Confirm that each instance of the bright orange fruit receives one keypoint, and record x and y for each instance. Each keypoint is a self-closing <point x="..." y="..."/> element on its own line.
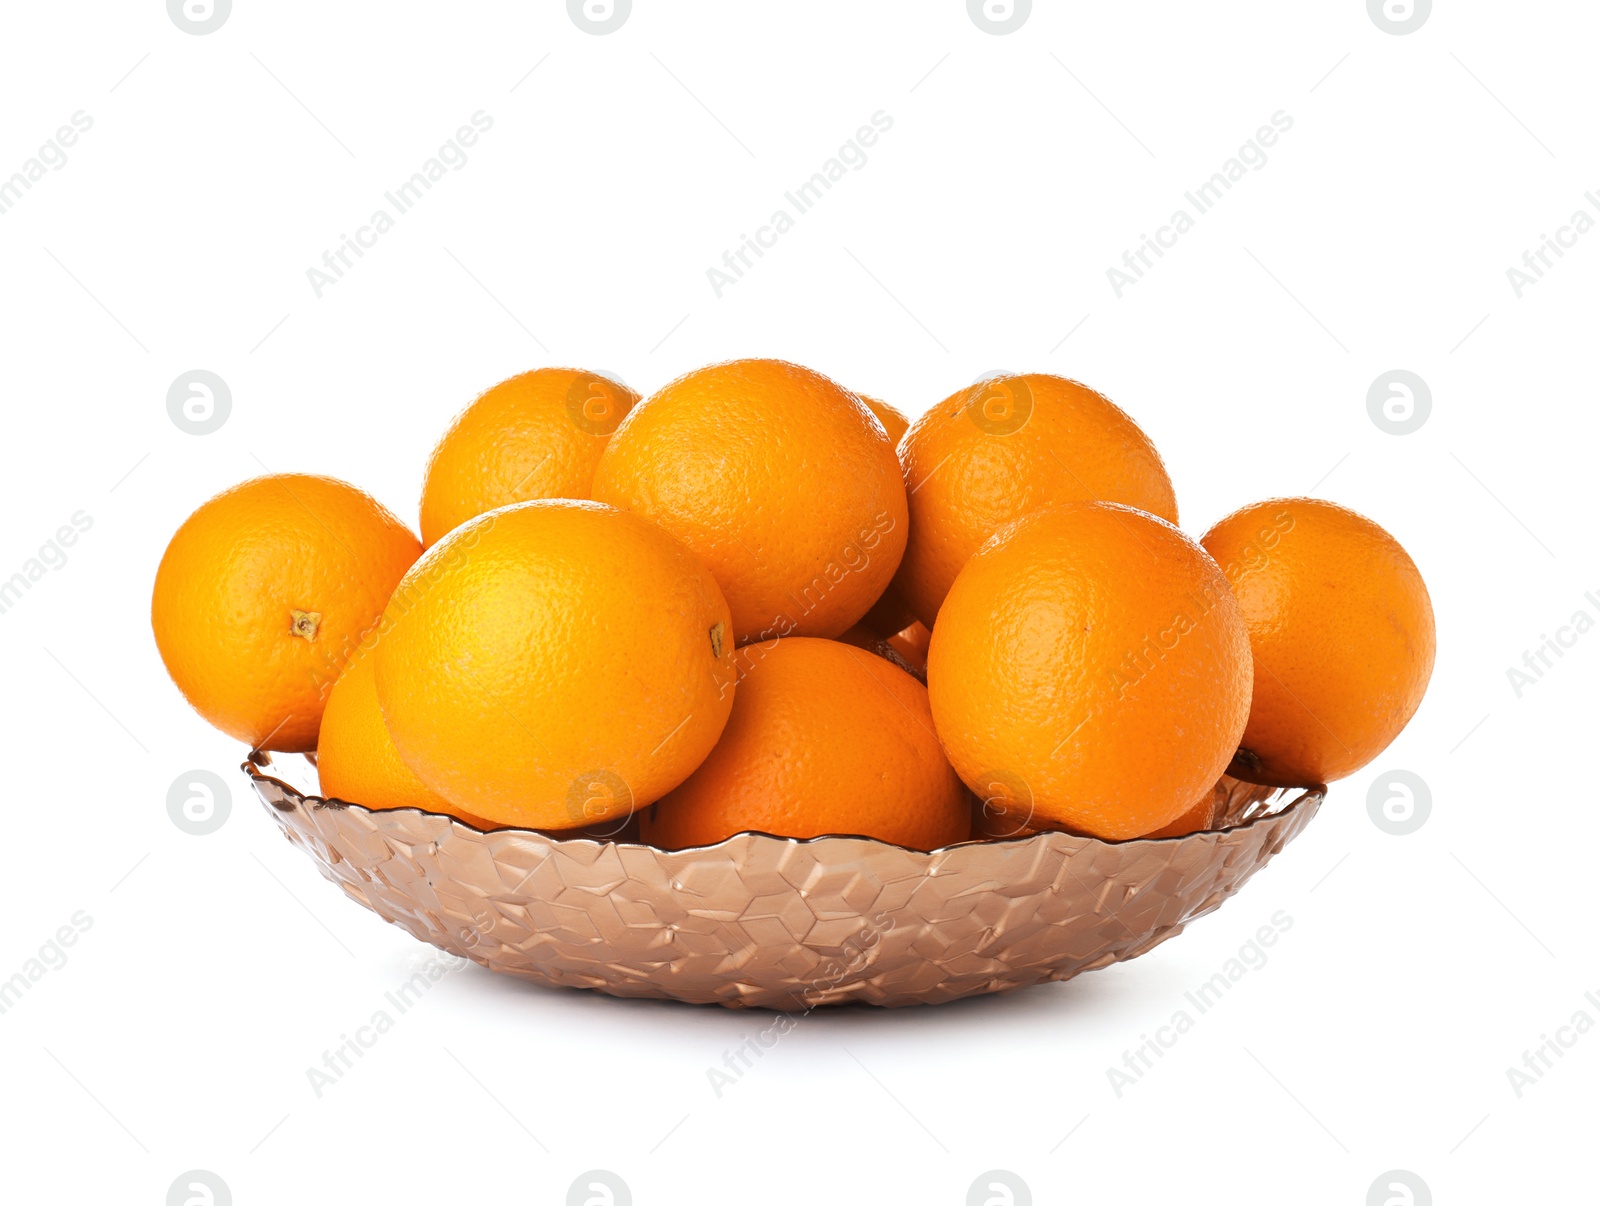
<point x="876" y="645"/>
<point x="535" y="435"/>
<point x="1195" y="820"/>
<point x="891" y="613"/>
<point x="779" y="480"/>
<point x="263" y="595"/>
<point x="555" y="664"/>
<point x="356" y="758"/>
<point x="1002" y="449"/>
<point x="893" y="421"/>
<point x="999" y="817"/>
<point x="824" y="738"/>
<point x="1092" y="661"/>
<point x="1342" y="631"/>
<point x="911" y="643"/>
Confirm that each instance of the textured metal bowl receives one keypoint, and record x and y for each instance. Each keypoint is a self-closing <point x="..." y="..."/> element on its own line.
<point x="778" y="923"/>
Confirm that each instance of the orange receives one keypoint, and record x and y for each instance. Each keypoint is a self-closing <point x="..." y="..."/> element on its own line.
<point x="358" y="764"/>
<point x="555" y="664"/>
<point x="998" y="817"/>
<point x="891" y="613"/>
<point x="264" y="593"/>
<point x="356" y="758"/>
<point x="1002" y="449"/>
<point x="911" y="643"/>
<point x="1092" y="661"/>
<point x="536" y="435"/>
<point x="781" y="481"/>
<point x="1197" y="819"/>
<point x="858" y="636"/>
<point x="893" y="421"/>
<point x="1342" y="630"/>
<point x="824" y="739"/>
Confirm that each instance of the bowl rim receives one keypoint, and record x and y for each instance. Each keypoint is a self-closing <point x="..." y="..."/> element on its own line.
<point x="256" y="762"/>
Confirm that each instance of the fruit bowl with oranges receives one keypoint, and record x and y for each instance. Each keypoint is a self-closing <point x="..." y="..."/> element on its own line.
<point x="751" y="692"/>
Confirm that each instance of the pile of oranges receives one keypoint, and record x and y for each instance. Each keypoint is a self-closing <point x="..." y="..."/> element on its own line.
<point x="758" y="601"/>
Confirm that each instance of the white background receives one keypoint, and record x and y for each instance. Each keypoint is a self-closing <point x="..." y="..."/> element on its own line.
<point x="977" y="236"/>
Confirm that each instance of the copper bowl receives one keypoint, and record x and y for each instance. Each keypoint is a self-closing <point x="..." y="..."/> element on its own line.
<point x="780" y="923"/>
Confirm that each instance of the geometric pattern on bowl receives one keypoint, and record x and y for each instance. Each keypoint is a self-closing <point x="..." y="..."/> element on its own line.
<point x="779" y="923"/>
